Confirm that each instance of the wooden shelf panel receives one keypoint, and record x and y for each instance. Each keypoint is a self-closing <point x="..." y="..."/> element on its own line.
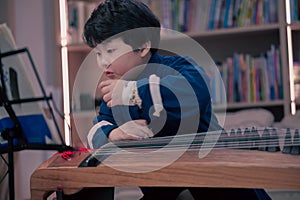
<point x="230" y="31"/>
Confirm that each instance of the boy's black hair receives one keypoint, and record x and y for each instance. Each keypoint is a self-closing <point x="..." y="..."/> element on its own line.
<point x="114" y="17"/>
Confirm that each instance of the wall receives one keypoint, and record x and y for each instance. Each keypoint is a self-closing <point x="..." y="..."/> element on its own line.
<point x="33" y="25"/>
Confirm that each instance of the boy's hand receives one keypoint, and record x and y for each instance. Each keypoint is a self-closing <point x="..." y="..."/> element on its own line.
<point x="120" y="92"/>
<point x="112" y="89"/>
<point x="117" y="134"/>
<point x="132" y="130"/>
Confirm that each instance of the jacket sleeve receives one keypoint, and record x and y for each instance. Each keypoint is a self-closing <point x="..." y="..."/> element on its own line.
<point x="187" y="91"/>
<point x="103" y="125"/>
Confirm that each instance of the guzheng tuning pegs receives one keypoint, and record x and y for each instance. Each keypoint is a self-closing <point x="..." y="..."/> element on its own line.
<point x="296" y="143"/>
<point x="248" y="139"/>
<point x="273" y="146"/>
<point x="223" y="141"/>
<point x="254" y="138"/>
<point x="239" y="138"/>
<point x="287" y="142"/>
<point x="264" y="140"/>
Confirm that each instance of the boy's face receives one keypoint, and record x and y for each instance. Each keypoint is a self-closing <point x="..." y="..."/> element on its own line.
<point x="116" y="58"/>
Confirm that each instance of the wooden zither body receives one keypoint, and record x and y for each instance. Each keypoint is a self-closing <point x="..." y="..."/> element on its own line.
<point x="240" y="167"/>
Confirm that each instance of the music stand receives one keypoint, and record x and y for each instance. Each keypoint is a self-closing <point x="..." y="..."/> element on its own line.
<point x="14" y="132"/>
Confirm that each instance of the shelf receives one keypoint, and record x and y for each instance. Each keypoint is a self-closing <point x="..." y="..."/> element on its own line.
<point x="216" y="106"/>
<point x="295" y="26"/>
<point x="249" y="105"/>
<point x="229" y="31"/>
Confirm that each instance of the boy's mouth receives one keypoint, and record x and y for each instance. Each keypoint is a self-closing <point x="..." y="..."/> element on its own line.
<point x="109" y="74"/>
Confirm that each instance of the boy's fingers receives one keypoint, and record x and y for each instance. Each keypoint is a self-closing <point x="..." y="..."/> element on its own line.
<point x="104" y="83"/>
<point x="141" y="122"/>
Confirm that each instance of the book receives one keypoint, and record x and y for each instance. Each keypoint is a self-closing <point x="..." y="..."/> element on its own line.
<point x="296" y="70"/>
<point x="78" y="13"/>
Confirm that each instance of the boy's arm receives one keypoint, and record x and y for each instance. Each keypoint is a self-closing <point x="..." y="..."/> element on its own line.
<point x="174" y="92"/>
<point x="106" y="129"/>
<point x="190" y="89"/>
<point x="103" y="125"/>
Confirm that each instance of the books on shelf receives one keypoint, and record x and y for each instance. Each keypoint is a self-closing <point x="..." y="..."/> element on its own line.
<point x="194" y="15"/>
<point x="78" y="13"/>
<point x="295" y="10"/>
<point x="250" y="79"/>
<point x="297" y="81"/>
<point x="187" y="15"/>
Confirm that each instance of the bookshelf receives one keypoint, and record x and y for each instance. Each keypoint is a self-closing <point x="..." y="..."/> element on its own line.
<point x="295" y="28"/>
<point x="221" y="42"/>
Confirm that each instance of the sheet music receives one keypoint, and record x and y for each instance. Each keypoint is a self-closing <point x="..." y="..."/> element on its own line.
<point x="21" y="83"/>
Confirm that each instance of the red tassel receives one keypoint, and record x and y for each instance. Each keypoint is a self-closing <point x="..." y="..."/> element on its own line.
<point x="68" y="154"/>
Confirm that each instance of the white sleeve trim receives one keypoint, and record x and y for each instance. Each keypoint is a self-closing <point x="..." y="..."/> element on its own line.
<point x="93" y="130"/>
<point x="154" y="82"/>
<point x="130" y="94"/>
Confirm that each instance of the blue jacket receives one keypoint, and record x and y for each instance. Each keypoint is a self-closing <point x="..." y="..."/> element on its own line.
<point x="185" y="93"/>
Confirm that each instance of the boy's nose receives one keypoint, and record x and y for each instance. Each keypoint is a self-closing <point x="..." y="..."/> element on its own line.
<point x="104" y="63"/>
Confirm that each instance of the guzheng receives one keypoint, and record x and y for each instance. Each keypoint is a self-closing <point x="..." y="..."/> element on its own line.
<point x="240" y="158"/>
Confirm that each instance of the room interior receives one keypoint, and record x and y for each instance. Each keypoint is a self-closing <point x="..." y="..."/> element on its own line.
<point x="36" y="25"/>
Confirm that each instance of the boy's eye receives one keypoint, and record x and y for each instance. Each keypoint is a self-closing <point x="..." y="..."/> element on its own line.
<point x="110" y="50"/>
<point x="98" y="53"/>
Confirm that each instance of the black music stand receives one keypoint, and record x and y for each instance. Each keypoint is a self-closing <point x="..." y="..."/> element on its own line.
<point x="14" y="134"/>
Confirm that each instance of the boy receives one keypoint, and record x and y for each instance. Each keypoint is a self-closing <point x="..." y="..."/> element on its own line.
<point x="146" y="94"/>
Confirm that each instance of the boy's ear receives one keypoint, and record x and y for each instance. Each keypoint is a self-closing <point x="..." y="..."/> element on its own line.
<point x="145" y="49"/>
